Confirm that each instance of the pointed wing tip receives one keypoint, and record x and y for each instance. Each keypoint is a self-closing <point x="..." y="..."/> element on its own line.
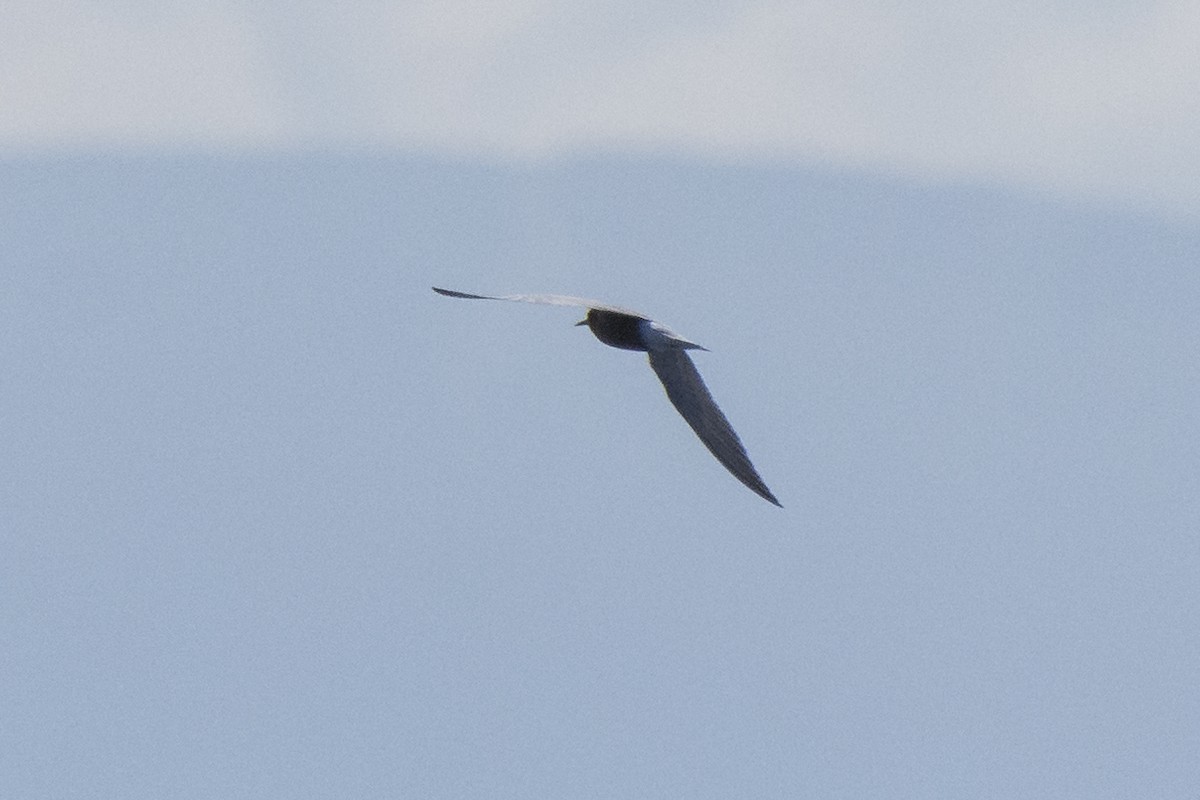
<point x="760" y="489"/>
<point x="463" y="295"/>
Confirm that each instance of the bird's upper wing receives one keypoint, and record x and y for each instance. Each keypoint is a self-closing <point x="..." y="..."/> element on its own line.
<point x="543" y="299"/>
<point x="690" y="396"/>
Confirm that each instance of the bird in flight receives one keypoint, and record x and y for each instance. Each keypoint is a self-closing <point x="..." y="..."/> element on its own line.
<point x="667" y="350"/>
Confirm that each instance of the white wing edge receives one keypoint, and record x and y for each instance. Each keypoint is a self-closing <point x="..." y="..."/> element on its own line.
<point x="543" y="299"/>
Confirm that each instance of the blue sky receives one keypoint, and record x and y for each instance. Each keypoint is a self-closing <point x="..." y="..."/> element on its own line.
<point x="279" y="521"/>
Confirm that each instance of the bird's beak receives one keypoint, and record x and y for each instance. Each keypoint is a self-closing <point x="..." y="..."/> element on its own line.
<point x="581" y="322"/>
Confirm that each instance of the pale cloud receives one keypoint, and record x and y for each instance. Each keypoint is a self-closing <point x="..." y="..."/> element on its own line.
<point x="1115" y="109"/>
<point x="769" y="82"/>
<point x="79" y="75"/>
<point x="1095" y="104"/>
<point x="1086" y="99"/>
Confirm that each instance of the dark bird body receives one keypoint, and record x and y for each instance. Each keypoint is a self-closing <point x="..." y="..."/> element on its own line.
<point x="616" y="329"/>
<point x="667" y="351"/>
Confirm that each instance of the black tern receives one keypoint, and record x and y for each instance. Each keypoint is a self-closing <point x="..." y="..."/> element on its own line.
<point x="667" y="351"/>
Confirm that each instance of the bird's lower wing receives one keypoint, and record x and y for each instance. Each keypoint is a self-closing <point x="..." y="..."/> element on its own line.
<point x="542" y="299"/>
<point x="691" y="398"/>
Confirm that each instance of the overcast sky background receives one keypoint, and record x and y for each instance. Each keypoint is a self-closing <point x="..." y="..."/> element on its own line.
<point x="277" y="521"/>
<point x="1082" y="99"/>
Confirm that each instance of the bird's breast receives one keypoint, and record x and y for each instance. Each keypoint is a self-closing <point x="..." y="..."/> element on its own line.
<point x="616" y="329"/>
